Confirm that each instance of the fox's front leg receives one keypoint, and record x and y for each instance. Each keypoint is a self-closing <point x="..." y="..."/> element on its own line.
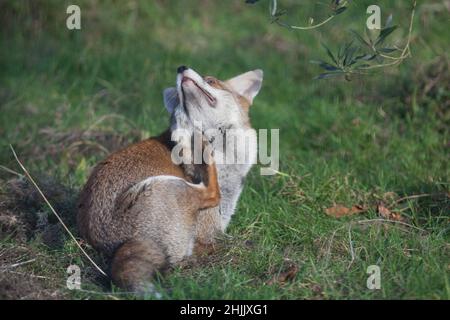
<point x="209" y="223"/>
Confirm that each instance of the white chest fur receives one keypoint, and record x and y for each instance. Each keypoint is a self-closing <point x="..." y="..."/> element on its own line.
<point x="232" y="173"/>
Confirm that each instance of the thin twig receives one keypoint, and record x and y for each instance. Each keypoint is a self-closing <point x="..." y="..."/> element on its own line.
<point x="273" y="11"/>
<point x="18" y="264"/>
<point x="314" y="26"/>
<point x="30" y="275"/>
<point x="412" y="197"/>
<point x="352" y="251"/>
<point x="10" y="171"/>
<point x="54" y="211"/>
<point x="330" y="242"/>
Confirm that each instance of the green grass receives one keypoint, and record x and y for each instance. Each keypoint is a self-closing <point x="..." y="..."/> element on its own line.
<point x="340" y="142"/>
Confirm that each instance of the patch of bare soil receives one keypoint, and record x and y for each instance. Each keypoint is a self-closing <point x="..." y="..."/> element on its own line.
<point x="24" y="216"/>
<point x="25" y="223"/>
<point x="17" y="279"/>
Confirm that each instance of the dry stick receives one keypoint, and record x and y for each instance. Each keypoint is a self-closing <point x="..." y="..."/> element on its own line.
<point x="14" y="265"/>
<point x="413" y="197"/>
<point x="29" y="275"/>
<point x="350" y="241"/>
<point x="330" y="243"/>
<point x="10" y="171"/>
<point x="54" y="211"/>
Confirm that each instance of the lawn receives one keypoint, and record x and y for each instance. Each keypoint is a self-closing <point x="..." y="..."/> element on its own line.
<point x="378" y="143"/>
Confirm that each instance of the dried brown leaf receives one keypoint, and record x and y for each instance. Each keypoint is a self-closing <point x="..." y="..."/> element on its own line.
<point x="387" y="214"/>
<point x="397" y="217"/>
<point x="384" y="212"/>
<point x="339" y="211"/>
<point x="287" y="275"/>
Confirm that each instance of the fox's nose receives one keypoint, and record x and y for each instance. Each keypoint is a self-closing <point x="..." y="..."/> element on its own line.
<point x="181" y="69"/>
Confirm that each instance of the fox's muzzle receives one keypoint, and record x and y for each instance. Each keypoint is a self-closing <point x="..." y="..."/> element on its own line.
<point x="191" y="85"/>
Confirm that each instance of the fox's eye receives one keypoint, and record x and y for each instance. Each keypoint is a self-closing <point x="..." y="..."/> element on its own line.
<point x="210" y="81"/>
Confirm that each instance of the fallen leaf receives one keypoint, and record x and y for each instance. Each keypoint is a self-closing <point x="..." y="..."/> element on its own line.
<point x="397" y="217"/>
<point x="387" y="214"/>
<point x="339" y="211"/>
<point x="384" y="212"/>
<point x="287" y="275"/>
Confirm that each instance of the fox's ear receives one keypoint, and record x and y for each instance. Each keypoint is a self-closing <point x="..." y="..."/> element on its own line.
<point x="247" y="84"/>
<point x="171" y="99"/>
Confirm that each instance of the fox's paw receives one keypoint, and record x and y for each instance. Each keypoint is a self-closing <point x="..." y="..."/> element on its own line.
<point x="208" y="154"/>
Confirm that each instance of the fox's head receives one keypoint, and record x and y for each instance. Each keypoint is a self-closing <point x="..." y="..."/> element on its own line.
<point x="212" y="102"/>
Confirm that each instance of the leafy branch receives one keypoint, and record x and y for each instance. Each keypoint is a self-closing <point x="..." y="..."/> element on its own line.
<point x="337" y="7"/>
<point x="358" y="56"/>
<point x="367" y="54"/>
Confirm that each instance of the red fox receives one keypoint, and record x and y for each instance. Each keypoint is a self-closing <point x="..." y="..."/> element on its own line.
<point x="146" y="212"/>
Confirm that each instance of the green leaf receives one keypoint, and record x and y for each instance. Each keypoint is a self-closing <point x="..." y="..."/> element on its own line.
<point x="329" y="75"/>
<point x="387" y="50"/>
<point x="360" y="38"/>
<point x="366" y="57"/>
<point x="362" y="66"/>
<point x="325" y="65"/>
<point x="369" y="37"/>
<point x="384" y="33"/>
<point x="340" y="53"/>
<point x="279" y="22"/>
<point x="349" y="53"/>
<point x="280" y="13"/>
<point x="339" y="10"/>
<point x="343" y="51"/>
<point x="330" y="54"/>
<point x="388" y="21"/>
<point x="329" y="67"/>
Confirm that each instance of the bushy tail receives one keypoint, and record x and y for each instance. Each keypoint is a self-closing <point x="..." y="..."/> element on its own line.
<point x="134" y="265"/>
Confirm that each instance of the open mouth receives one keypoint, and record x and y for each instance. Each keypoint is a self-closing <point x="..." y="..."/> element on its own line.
<point x="209" y="97"/>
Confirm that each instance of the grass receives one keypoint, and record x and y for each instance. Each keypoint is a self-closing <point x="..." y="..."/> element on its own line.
<point x="69" y="97"/>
